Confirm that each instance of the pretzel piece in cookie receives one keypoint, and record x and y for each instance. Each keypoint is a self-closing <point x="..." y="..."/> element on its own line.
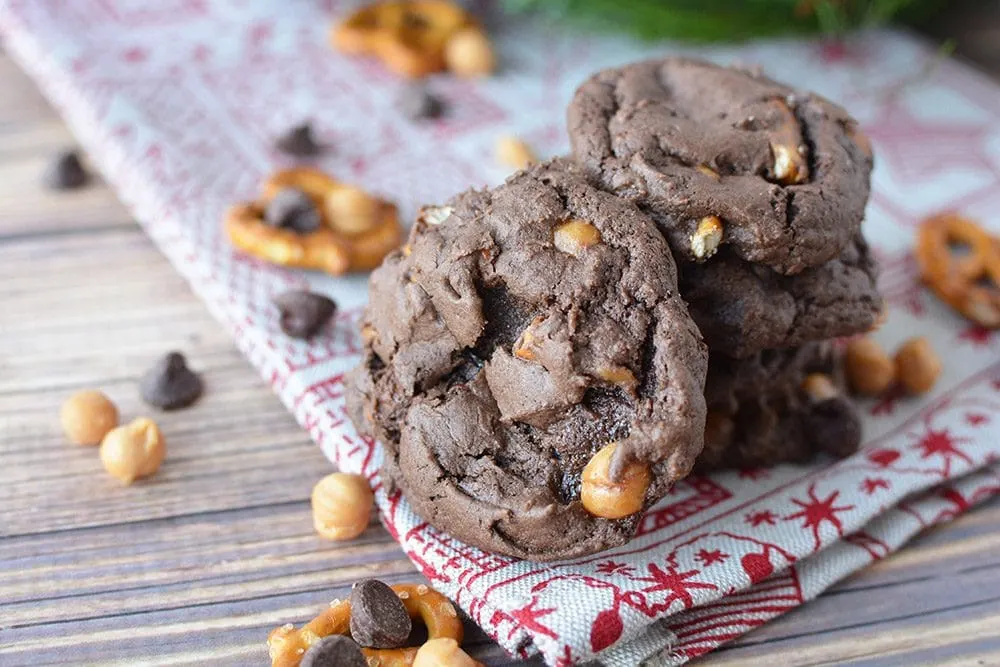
<point x="970" y="282"/>
<point x="408" y="37"/>
<point x="287" y="645"/>
<point x="335" y="247"/>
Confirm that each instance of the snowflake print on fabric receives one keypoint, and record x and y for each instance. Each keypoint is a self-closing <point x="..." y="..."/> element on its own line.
<point x="611" y="567"/>
<point x="761" y="517"/>
<point x="754" y="474"/>
<point x="976" y="419"/>
<point x="872" y="484"/>
<point x="566" y="658"/>
<point x="886" y="404"/>
<point x="528" y="616"/>
<point x="710" y="557"/>
<point x="942" y="443"/>
<point x="977" y="335"/>
<point x="677" y="584"/>
<point x="815" y="512"/>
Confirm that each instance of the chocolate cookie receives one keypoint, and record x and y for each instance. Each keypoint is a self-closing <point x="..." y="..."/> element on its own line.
<point x="520" y="331"/>
<point x="765" y="410"/>
<point x="785" y="174"/>
<point x="743" y="308"/>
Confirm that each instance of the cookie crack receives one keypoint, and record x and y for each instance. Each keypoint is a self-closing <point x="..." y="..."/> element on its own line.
<point x="806" y="132"/>
<point x="647" y="356"/>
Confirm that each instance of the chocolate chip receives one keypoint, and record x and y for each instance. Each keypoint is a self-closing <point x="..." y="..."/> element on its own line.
<point x="170" y="384"/>
<point x="299" y="141"/>
<point x="334" y="651"/>
<point x="303" y="313"/>
<point x="66" y="172"/>
<point x="378" y="617"/>
<point x="418" y="103"/>
<point x="835" y="427"/>
<point x="293" y="209"/>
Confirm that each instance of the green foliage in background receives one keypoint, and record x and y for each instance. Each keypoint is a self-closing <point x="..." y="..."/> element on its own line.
<point x="712" y="20"/>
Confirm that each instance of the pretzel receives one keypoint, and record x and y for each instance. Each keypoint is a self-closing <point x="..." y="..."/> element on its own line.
<point x="408" y="37"/>
<point x="287" y="645"/>
<point x="968" y="283"/>
<point x="790" y="165"/>
<point x="325" y="249"/>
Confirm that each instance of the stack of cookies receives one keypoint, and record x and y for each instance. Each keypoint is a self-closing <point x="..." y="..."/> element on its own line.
<point x="544" y="360"/>
<point x="761" y="192"/>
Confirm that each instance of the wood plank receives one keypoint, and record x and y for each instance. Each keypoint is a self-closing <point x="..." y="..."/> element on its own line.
<point x="968" y="636"/>
<point x="196" y="565"/>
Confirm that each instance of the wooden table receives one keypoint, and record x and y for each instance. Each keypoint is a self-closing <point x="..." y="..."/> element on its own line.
<point x="196" y="565"/>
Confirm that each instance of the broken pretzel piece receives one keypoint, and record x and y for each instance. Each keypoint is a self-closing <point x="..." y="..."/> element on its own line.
<point x="790" y="166"/>
<point x="707" y="237"/>
<point x="969" y="282"/>
<point x="355" y="238"/>
<point x="287" y="645"/>
<point x="410" y="38"/>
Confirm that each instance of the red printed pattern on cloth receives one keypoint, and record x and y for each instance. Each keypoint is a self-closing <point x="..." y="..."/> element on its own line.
<point x="178" y="104"/>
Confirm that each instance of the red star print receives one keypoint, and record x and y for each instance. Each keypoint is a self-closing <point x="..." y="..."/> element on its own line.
<point x="815" y="511"/>
<point x="887" y="403"/>
<point x="566" y="659"/>
<point x="706" y="557"/>
<point x="920" y="149"/>
<point x="941" y="443"/>
<point x="611" y="567"/>
<point x="134" y="55"/>
<point x="675" y="582"/>
<point x="757" y="518"/>
<point x="977" y="335"/>
<point x="914" y="302"/>
<point x="528" y="617"/>
<point x="754" y="473"/>
<point x="835" y="51"/>
<point x="201" y="53"/>
<point x="976" y="419"/>
<point x="872" y="484"/>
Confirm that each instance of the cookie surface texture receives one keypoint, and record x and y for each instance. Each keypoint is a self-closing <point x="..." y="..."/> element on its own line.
<point x="787" y="174"/>
<point x="517" y="333"/>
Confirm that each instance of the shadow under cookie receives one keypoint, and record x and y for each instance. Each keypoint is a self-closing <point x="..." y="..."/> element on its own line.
<point x="742" y="309"/>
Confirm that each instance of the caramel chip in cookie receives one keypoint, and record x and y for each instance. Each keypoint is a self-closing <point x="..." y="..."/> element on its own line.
<point x="273" y="228"/>
<point x="408" y="37"/>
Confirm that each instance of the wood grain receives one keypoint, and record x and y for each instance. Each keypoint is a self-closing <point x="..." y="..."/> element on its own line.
<point x="196" y="565"/>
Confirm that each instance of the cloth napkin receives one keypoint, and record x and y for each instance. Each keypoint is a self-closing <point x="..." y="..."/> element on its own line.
<point x="178" y="101"/>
